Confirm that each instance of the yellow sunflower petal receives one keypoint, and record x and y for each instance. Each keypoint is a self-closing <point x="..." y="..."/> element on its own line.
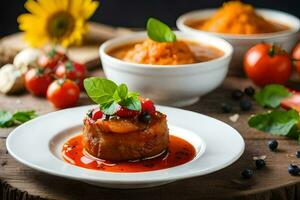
<point x="56" y="21"/>
<point x="35" y="8"/>
<point x="30" y="22"/>
<point x="47" y="6"/>
<point x="89" y="7"/>
<point x="83" y="8"/>
<point x="35" y="40"/>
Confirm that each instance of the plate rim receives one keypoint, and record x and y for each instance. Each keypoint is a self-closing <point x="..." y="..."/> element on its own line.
<point x="128" y="181"/>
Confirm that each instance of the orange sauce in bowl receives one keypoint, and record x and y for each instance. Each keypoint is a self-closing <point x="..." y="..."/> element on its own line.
<point x="179" y="152"/>
<point x="166" y="53"/>
<point x="236" y="17"/>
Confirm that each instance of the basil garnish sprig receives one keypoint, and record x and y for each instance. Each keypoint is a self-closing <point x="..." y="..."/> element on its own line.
<point x="272" y="95"/>
<point x="159" y="31"/>
<point x="284" y="123"/>
<point x="9" y="119"/>
<point x="276" y="122"/>
<point x="111" y="96"/>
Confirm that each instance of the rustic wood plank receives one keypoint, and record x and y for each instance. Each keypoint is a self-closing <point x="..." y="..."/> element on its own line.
<point x="225" y="183"/>
<point x="273" y="182"/>
<point x="87" y="53"/>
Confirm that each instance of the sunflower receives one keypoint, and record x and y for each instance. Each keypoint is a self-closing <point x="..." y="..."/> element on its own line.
<point x="60" y="22"/>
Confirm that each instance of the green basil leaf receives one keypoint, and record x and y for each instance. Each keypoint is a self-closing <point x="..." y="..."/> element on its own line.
<point x="277" y="122"/>
<point x="132" y="103"/>
<point x="109" y="108"/>
<point x="159" y="31"/>
<point x="100" y="90"/>
<point x="110" y="96"/>
<point x="294" y="132"/>
<point x="116" y="97"/>
<point x="133" y="94"/>
<point x="6" y="119"/>
<point x="24" y="116"/>
<point x="271" y="95"/>
<point x="122" y="91"/>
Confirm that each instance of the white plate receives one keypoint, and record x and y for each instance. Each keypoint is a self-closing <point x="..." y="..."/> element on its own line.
<point x="38" y="144"/>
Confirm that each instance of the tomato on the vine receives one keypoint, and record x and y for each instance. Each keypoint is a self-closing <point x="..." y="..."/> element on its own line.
<point x="72" y="70"/>
<point x="63" y="93"/>
<point x="266" y="64"/>
<point x="37" y="81"/>
<point x="50" y="59"/>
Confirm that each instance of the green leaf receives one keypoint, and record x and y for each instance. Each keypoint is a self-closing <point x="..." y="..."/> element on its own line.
<point x="100" y="90"/>
<point x="133" y="94"/>
<point x="132" y="103"/>
<point x="6" y="119"/>
<point x="271" y="95"/>
<point x="109" y="108"/>
<point x="159" y="31"/>
<point x="24" y="116"/>
<point x="122" y="91"/>
<point x="109" y="96"/>
<point x="277" y="122"/>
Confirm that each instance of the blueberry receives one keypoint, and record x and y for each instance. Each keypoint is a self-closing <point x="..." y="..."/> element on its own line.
<point x="273" y="144"/>
<point x="293" y="169"/>
<point x="237" y="94"/>
<point x="247" y="173"/>
<point x="250" y="91"/>
<point x="260" y="163"/>
<point x="226" y="108"/>
<point x="145" y="117"/>
<point x="245" y="104"/>
<point x="298" y="154"/>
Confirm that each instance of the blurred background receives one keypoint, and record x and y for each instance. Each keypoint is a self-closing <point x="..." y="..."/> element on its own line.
<point x="134" y="13"/>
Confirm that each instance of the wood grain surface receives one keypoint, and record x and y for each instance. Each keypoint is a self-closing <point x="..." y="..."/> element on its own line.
<point x="272" y="182"/>
<point x="87" y="53"/>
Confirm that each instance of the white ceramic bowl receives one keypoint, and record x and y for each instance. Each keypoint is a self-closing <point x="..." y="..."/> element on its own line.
<point x="242" y="43"/>
<point x="176" y="85"/>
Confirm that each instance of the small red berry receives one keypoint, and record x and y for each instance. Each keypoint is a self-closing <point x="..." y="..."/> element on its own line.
<point x="125" y="112"/>
<point x="96" y="114"/>
<point x="148" y="106"/>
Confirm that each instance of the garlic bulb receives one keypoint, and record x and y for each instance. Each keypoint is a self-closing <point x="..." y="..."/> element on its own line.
<point x="11" y="79"/>
<point x="26" y="59"/>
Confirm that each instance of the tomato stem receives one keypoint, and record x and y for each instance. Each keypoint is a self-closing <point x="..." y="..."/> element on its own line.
<point x="60" y="82"/>
<point x="272" y="51"/>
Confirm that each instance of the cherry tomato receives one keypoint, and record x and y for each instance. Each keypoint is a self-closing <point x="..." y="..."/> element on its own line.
<point x="296" y="56"/>
<point x="96" y="114"/>
<point x="50" y="59"/>
<point x="266" y="64"/>
<point x="37" y="81"/>
<point x="125" y="112"/>
<point x="72" y="70"/>
<point x="63" y="93"/>
<point x="148" y="106"/>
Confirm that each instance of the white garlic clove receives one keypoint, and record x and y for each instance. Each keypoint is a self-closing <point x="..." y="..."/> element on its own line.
<point x="26" y="59"/>
<point x="11" y="79"/>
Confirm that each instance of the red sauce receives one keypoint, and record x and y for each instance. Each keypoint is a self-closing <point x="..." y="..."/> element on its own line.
<point x="179" y="152"/>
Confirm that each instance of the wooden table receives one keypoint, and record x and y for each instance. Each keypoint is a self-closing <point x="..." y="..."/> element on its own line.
<point x="272" y="182"/>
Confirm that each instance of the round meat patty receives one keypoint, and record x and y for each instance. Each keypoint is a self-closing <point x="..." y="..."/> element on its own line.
<point x="121" y="139"/>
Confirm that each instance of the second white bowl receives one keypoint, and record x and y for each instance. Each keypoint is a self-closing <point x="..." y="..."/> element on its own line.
<point x="241" y="43"/>
<point x="176" y="85"/>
